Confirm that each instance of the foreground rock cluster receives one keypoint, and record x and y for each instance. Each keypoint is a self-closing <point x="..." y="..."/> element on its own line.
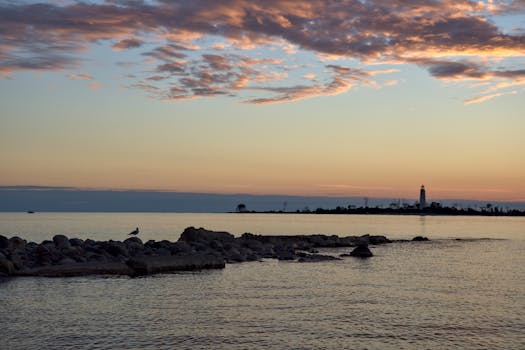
<point x="196" y="249"/>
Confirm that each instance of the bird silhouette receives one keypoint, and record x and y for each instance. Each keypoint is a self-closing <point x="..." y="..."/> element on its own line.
<point x="135" y="232"/>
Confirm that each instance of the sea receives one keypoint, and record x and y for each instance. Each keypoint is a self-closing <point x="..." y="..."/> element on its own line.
<point x="463" y="289"/>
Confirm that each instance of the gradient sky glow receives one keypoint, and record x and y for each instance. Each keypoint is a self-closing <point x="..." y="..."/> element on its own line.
<point x="339" y="98"/>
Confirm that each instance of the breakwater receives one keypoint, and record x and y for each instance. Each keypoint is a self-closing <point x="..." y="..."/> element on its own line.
<point x="196" y="249"/>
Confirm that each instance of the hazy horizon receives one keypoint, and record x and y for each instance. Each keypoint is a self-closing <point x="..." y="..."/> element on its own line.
<point x="23" y="198"/>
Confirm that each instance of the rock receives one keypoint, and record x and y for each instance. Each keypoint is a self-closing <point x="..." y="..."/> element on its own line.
<point x="134" y="241"/>
<point x="75" y="253"/>
<point x="420" y="239"/>
<point x="4" y="242"/>
<point x="66" y="261"/>
<point x="376" y="240"/>
<point x="150" y="265"/>
<point x="79" y="269"/>
<point x="317" y="258"/>
<point x="116" y="248"/>
<point x="180" y="247"/>
<point x="76" y="242"/>
<point x="19" y="259"/>
<point x="6" y="267"/>
<point x="61" y="241"/>
<point x="16" y="243"/>
<point x="361" y="251"/>
<point x="134" y="245"/>
<point x="93" y="257"/>
<point x="285" y="253"/>
<point x="252" y="244"/>
<point x="235" y="255"/>
<point x="191" y="234"/>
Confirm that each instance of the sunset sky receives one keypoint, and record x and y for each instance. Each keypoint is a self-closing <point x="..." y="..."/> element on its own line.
<point x="335" y="97"/>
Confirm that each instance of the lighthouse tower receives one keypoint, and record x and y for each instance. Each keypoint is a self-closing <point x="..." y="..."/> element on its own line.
<point x="422" y="198"/>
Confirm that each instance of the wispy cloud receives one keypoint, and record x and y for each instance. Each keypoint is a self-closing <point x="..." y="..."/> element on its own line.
<point x="81" y="76"/>
<point x="484" y="98"/>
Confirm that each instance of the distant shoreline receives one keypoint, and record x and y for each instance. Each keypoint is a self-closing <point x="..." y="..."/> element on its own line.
<point x="399" y="212"/>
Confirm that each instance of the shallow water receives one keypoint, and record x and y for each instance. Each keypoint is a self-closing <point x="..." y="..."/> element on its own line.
<point x="443" y="294"/>
<point x="103" y="226"/>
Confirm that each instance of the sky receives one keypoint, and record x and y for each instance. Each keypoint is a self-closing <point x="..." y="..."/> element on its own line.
<point x="311" y="98"/>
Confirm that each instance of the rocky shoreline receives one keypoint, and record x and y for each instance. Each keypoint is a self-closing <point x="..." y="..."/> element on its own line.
<point x="196" y="249"/>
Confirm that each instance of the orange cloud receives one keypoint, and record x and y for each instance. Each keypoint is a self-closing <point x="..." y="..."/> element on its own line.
<point x="80" y="76"/>
<point x="487" y="97"/>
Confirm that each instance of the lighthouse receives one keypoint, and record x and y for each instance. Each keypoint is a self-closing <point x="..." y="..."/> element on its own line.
<point x="422" y="198"/>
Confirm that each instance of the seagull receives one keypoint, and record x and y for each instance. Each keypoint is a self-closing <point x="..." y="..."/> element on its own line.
<point x="135" y="232"/>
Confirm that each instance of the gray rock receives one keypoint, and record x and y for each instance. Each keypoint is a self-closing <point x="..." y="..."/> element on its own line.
<point x="75" y="253"/>
<point x="116" y="248"/>
<point x="94" y="257"/>
<point x="361" y="251"/>
<point x="6" y="267"/>
<point x="191" y="234"/>
<point x="134" y="245"/>
<point x="150" y="265"/>
<point x="16" y="243"/>
<point x="180" y="247"/>
<point x="376" y="240"/>
<point x="76" y="242"/>
<point x="283" y="253"/>
<point x="317" y="258"/>
<point x="134" y="241"/>
<point x="79" y="269"/>
<point x="66" y="261"/>
<point x="4" y="242"/>
<point x="61" y="241"/>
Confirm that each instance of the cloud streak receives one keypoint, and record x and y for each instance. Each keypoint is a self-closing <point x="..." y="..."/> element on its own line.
<point x="450" y="39"/>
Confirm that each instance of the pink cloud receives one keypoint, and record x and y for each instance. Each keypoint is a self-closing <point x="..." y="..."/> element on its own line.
<point x="450" y="39"/>
<point x="81" y="76"/>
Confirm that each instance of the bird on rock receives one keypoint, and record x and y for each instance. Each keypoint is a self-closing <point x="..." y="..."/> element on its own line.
<point x="135" y="232"/>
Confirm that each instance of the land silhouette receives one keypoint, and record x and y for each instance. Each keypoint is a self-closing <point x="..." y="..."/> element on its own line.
<point x="434" y="209"/>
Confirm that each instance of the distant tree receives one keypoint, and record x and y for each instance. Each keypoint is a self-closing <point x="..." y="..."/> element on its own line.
<point x="241" y="208"/>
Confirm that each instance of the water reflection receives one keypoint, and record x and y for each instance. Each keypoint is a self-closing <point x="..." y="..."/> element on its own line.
<point x="423" y="225"/>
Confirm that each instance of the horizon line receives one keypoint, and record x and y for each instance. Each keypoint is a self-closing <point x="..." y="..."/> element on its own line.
<point x="149" y="190"/>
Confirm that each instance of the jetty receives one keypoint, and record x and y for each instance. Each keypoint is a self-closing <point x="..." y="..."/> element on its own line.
<point x="196" y="249"/>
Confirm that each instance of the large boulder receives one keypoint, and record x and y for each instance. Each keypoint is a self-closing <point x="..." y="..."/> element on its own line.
<point x="361" y="251"/>
<point x="16" y="243"/>
<point x="134" y="245"/>
<point x="61" y="241"/>
<point x="192" y="234"/>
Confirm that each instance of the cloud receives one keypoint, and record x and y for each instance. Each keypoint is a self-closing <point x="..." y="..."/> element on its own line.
<point x="484" y="98"/>
<point x="81" y="76"/>
<point x="127" y="44"/>
<point x="450" y="39"/>
<point x="94" y="86"/>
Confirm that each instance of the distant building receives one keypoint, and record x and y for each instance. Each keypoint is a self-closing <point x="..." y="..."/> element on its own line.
<point x="422" y="198"/>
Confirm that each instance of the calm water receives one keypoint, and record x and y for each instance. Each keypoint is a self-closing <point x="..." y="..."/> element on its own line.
<point x="444" y="294"/>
